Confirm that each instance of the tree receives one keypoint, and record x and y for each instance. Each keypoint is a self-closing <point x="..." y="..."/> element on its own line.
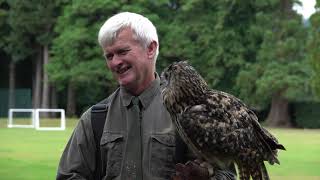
<point x="4" y="31"/>
<point x="214" y="38"/>
<point x="14" y="42"/>
<point x="279" y="72"/>
<point x="31" y="23"/>
<point x="202" y="34"/>
<point x="314" y="50"/>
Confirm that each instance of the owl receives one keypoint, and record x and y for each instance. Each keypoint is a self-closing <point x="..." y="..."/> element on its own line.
<point x="215" y="125"/>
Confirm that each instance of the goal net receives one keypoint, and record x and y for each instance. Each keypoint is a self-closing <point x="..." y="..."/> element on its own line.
<point x="44" y="119"/>
<point x="21" y="118"/>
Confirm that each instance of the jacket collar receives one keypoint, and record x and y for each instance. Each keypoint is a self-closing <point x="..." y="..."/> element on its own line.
<point x="145" y="97"/>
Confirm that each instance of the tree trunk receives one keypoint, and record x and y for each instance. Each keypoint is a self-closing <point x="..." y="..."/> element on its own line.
<point x="71" y="104"/>
<point x="45" y="90"/>
<point x="54" y="100"/>
<point x="12" y="78"/>
<point x="286" y="9"/>
<point x="37" y="82"/>
<point x="279" y="112"/>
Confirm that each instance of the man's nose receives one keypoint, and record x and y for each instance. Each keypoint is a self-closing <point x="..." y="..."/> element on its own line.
<point x="115" y="61"/>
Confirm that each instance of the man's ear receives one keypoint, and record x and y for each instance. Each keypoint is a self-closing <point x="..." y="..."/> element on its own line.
<point x="151" y="49"/>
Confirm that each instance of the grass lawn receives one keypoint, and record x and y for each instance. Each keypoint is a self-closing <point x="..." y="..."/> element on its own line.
<point x="27" y="154"/>
<point x="301" y="160"/>
<point x="33" y="155"/>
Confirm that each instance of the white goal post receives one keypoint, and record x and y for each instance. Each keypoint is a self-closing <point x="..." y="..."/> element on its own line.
<point x="10" y="120"/>
<point x="62" y="119"/>
<point x="35" y="119"/>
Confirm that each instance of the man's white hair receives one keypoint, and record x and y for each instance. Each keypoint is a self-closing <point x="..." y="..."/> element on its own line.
<point x="143" y="29"/>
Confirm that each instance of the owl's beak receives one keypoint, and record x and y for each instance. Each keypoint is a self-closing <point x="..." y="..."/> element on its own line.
<point x="163" y="83"/>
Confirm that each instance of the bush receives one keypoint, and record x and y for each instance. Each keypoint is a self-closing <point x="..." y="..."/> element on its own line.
<point x="306" y="115"/>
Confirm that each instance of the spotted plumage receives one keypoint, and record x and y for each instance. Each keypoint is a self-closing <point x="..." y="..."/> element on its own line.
<point x="217" y="126"/>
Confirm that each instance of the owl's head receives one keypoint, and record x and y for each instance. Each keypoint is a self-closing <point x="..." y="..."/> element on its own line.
<point x="180" y="82"/>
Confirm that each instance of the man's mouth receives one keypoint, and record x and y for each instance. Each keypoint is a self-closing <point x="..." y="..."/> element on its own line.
<point x="122" y="70"/>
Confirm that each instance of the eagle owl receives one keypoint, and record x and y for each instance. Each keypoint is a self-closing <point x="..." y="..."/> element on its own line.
<point x="217" y="126"/>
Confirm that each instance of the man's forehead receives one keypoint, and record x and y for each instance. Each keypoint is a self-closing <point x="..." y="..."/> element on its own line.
<point x="116" y="47"/>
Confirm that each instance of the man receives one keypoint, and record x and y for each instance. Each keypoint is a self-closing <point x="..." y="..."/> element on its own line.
<point x="139" y="139"/>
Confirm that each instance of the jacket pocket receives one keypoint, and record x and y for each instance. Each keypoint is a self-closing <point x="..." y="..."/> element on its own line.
<point x="112" y="145"/>
<point x="162" y="155"/>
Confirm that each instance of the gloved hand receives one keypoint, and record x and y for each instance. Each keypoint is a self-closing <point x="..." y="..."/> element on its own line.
<point x="192" y="170"/>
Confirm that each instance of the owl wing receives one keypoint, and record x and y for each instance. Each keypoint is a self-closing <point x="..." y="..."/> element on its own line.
<point x="265" y="143"/>
<point x="217" y="132"/>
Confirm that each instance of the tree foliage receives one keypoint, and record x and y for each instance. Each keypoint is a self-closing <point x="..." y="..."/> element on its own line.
<point x="29" y="23"/>
<point x="17" y="40"/>
<point x="278" y="63"/>
<point x="314" y="49"/>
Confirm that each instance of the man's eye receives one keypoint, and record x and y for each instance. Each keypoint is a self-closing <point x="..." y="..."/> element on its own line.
<point x="123" y="51"/>
<point x="108" y="56"/>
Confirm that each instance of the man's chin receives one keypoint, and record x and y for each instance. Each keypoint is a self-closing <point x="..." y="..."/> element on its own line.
<point x="127" y="83"/>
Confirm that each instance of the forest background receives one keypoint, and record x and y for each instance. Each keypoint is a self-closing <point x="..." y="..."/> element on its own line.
<point x="262" y="51"/>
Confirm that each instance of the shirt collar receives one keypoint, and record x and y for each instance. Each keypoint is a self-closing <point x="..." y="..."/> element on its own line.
<point x="145" y="97"/>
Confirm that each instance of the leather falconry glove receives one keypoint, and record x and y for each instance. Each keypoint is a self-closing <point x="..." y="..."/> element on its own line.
<point x="192" y="170"/>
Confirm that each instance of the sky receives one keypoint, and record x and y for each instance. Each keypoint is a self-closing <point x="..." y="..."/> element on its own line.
<point x="307" y="9"/>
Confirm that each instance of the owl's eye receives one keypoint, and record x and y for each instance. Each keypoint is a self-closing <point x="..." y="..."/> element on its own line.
<point x="166" y="75"/>
<point x="174" y="68"/>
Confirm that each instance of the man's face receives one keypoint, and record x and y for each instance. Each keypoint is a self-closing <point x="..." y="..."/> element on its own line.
<point x="131" y="64"/>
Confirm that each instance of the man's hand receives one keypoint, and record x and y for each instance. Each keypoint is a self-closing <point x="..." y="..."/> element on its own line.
<point x="192" y="170"/>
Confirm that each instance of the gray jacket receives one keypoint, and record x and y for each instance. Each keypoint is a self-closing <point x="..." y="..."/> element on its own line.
<point x="159" y="140"/>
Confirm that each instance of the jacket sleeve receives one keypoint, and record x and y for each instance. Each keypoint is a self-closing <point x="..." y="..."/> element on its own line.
<point x="78" y="158"/>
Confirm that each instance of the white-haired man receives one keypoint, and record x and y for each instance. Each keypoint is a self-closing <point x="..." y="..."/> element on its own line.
<point x="139" y="139"/>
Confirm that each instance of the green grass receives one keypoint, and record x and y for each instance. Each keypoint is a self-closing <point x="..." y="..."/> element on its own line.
<point x="34" y="155"/>
<point x="29" y="154"/>
<point x="51" y="122"/>
<point x="301" y="160"/>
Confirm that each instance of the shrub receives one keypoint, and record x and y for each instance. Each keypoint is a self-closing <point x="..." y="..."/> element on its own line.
<point x="306" y="115"/>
